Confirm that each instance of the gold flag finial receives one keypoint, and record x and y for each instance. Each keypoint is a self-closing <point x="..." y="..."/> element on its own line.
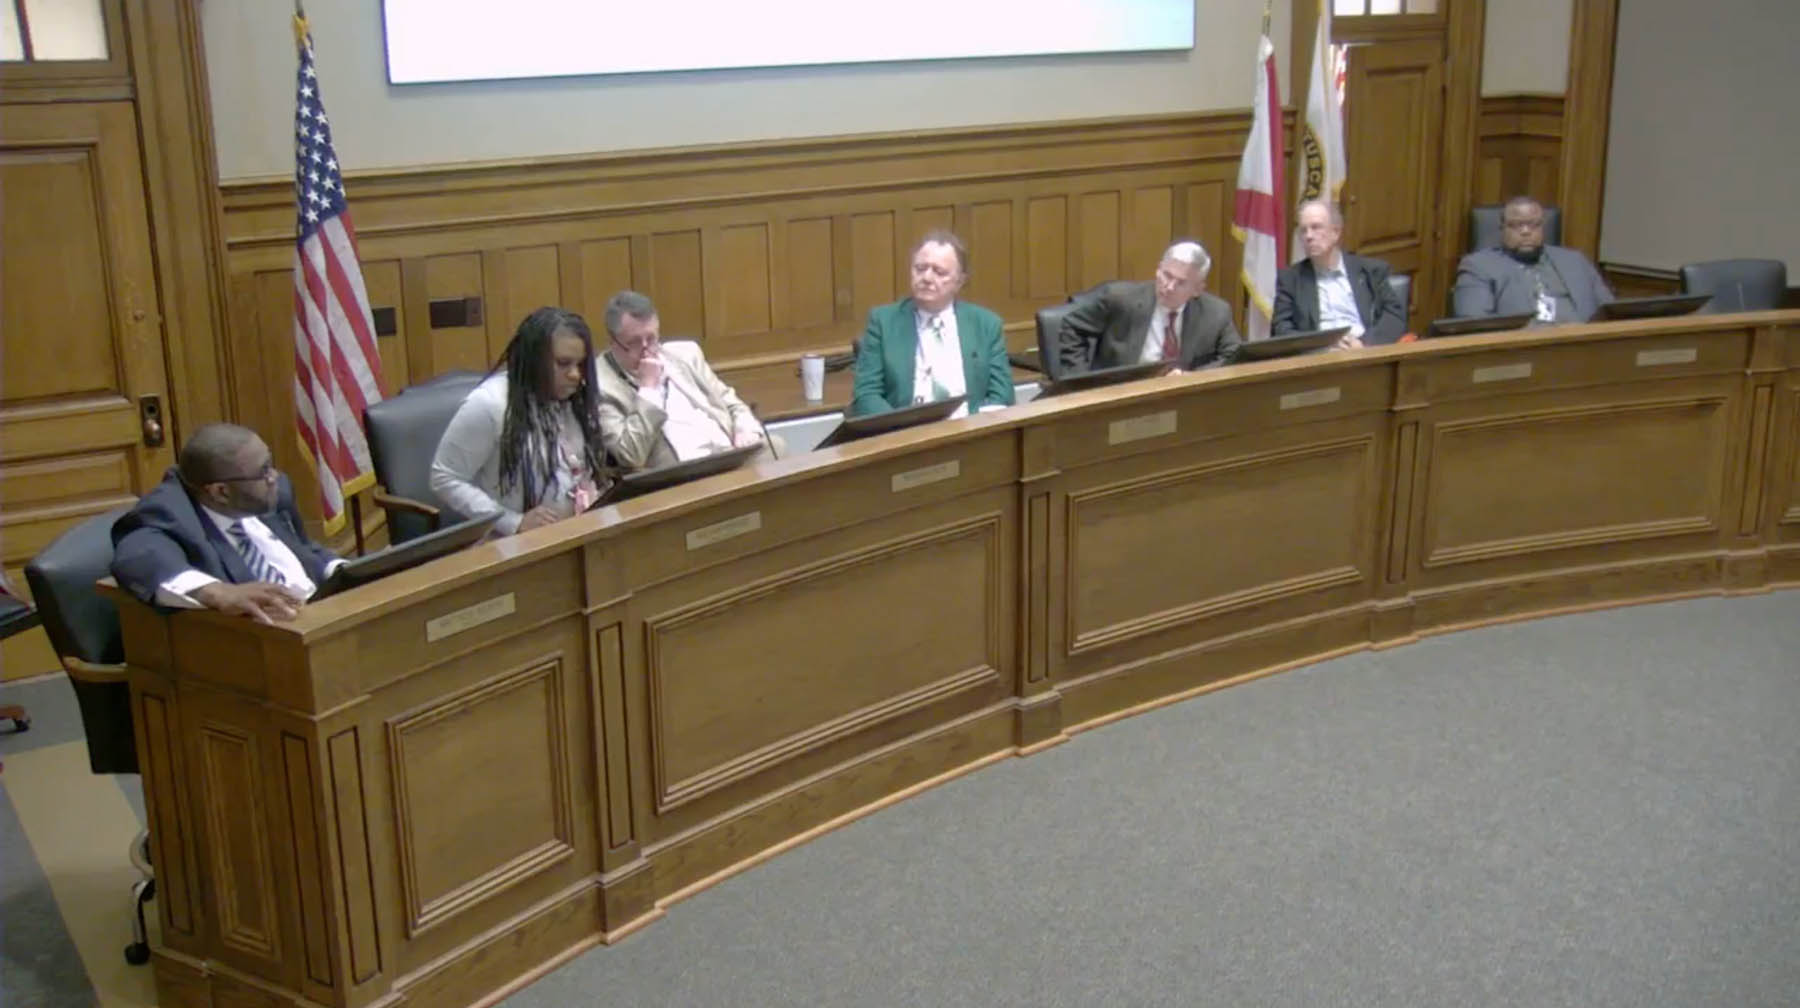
<point x="300" y="26"/>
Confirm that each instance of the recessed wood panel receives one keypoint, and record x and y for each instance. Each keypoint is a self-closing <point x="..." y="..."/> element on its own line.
<point x="1161" y="534"/>
<point x="382" y="282"/>
<point x="1047" y="233"/>
<point x="924" y="611"/>
<point x="605" y="270"/>
<point x="454" y="277"/>
<point x="1148" y="230"/>
<point x="241" y="882"/>
<point x="742" y="276"/>
<point x="676" y="285"/>
<point x="57" y="310"/>
<point x="1504" y="485"/>
<point x="938" y="218"/>
<point x="809" y="253"/>
<point x="532" y="282"/>
<point x="990" y="241"/>
<point x="874" y="263"/>
<point x="1099" y="239"/>
<point x="465" y="834"/>
<point x="1208" y="216"/>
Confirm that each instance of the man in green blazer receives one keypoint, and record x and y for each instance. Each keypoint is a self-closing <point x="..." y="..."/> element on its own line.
<point x="931" y="346"/>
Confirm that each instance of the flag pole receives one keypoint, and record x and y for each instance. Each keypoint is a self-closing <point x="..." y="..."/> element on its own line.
<point x="300" y="27"/>
<point x="1268" y="11"/>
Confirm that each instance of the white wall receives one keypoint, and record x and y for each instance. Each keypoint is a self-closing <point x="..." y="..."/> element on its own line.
<point x="1525" y="49"/>
<point x="1701" y="159"/>
<point x="250" y="61"/>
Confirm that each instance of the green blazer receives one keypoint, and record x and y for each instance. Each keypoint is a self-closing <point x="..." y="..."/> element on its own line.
<point x="884" y="358"/>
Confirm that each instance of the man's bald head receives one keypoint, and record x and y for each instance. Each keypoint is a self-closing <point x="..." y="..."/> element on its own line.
<point x="215" y="452"/>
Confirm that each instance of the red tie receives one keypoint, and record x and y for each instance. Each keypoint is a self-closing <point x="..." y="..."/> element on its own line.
<point x="1172" y="340"/>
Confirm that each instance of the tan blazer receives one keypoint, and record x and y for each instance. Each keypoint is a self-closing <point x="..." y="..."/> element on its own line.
<point x="631" y="426"/>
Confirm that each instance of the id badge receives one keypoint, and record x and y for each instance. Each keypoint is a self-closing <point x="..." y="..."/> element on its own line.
<point x="1546" y="307"/>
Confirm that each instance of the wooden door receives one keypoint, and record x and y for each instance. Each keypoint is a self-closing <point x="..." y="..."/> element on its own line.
<point x="1394" y="115"/>
<point x="83" y="347"/>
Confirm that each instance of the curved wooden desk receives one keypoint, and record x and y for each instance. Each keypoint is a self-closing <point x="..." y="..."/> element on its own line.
<point x="432" y="789"/>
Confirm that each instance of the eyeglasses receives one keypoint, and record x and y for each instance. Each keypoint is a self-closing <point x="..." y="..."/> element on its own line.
<point x="1524" y="225"/>
<point x="265" y="474"/>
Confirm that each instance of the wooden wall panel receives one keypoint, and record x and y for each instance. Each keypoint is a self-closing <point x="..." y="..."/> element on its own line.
<point x="759" y="251"/>
<point x="1520" y="152"/>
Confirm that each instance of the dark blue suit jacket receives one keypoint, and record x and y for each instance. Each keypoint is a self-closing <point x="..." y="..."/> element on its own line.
<point x="166" y="533"/>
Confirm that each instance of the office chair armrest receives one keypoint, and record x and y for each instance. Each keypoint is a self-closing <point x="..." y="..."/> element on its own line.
<point x="386" y="500"/>
<point x="89" y="672"/>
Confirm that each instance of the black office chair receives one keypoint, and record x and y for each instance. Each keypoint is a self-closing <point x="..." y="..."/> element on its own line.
<point x="1737" y="284"/>
<point x="1402" y="284"/>
<point x="1484" y="226"/>
<point x="83" y="628"/>
<point x="404" y="432"/>
<point x="1049" y="320"/>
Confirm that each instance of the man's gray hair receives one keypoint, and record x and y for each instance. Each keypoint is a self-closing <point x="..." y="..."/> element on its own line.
<point x="1337" y="216"/>
<point x="626" y="302"/>
<point x="1191" y="252"/>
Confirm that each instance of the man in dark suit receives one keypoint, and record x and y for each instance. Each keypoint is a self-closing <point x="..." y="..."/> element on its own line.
<point x="220" y="531"/>
<point x="1171" y="318"/>
<point x="1555" y="284"/>
<point x="1332" y="288"/>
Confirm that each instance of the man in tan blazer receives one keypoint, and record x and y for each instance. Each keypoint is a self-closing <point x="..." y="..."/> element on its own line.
<point x="659" y="402"/>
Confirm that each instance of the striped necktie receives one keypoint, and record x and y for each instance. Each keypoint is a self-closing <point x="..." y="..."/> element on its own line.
<point x="1171" y="348"/>
<point x="254" y="558"/>
<point x="938" y="391"/>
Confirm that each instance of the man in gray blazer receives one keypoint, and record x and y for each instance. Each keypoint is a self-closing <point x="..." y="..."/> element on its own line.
<point x="1170" y="318"/>
<point x="1556" y="284"/>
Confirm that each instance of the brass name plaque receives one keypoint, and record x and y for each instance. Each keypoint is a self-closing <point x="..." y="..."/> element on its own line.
<point x="718" y="532"/>
<point x="1502" y="372"/>
<point x="926" y="474"/>
<point x="1311" y="397"/>
<point x="469" y="617"/>
<point x="1138" y="428"/>
<point x="1677" y="355"/>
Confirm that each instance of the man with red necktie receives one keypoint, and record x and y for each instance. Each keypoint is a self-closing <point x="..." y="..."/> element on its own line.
<point x="1170" y="318"/>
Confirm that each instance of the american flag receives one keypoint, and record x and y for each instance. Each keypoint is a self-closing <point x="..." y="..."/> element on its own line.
<point x="337" y="370"/>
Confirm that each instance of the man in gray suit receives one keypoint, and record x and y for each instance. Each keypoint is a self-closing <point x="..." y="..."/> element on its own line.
<point x="1555" y="284"/>
<point x="1171" y="318"/>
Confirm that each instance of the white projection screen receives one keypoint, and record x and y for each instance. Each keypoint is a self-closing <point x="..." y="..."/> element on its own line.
<point x="454" y="40"/>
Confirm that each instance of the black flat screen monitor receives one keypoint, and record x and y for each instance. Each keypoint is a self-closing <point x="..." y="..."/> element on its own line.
<point x="410" y="553"/>
<point x="1106" y="376"/>
<point x="1472" y="324"/>
<point x="643" y="481"/>
<point x="1289" y="344"/>
<point x="859" y="427"/>
<point x="1651" y="307"/>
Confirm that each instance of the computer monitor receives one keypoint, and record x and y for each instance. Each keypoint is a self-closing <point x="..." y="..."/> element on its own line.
<point x="1651" y="307"/>
<point x="411" y="553"/>
<point x="1289" y="344"/>
<point x="1106" y="376"/>
<point x="636" y="484"/>
<point x="857" y="428"/>
<point x="1469" y="325"/>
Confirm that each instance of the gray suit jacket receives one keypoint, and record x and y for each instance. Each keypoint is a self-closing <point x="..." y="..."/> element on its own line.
<point x="1108" y="328"/>
<point x="1490" y="282"/>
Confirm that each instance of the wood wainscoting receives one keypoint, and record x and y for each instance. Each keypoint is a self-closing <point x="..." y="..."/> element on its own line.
<point x="760" y="251"/>
<point x="1520" y="152"/>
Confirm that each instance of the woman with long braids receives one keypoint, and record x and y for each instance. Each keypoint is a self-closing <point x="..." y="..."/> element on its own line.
<point x="526" y="442"/>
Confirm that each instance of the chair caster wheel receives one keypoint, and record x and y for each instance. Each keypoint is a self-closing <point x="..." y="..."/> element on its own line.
<point x="137" y="953"/>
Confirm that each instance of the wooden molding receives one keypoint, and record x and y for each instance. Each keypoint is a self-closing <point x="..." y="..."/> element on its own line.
<point x="1588" y="111"/>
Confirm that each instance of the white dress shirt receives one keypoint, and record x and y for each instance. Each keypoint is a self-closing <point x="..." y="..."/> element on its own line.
<point x="1337" y="302"/>
<point x="690" y="431"/>
<point x="177" y="592"/>
<point x="938" y="359"/>
<point x="1159" y="329"/>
